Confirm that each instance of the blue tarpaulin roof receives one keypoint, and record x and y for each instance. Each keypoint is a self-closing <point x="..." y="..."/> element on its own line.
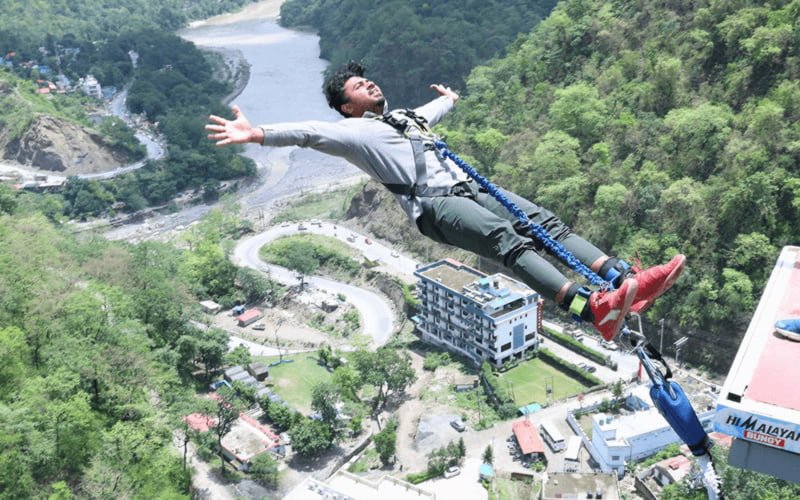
<point x="531" y="408"/>
<point x="486" y="470"/>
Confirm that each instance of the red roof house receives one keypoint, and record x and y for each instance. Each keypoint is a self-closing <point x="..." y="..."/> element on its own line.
<point x="200" y="422"/>
<point x="250" y="316"/>
<point x="528" y="437"/>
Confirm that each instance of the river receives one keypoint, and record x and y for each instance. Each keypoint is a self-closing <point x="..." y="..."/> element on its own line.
<point x="285" y="85"/>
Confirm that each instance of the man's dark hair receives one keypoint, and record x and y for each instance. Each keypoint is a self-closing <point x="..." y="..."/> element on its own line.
<point x="334" y="84"/>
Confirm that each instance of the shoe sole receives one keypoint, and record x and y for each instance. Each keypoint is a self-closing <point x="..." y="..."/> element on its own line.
<point x="788" y="334"/>
<point x="625" y="309"/>
<point x="644" y="305"/>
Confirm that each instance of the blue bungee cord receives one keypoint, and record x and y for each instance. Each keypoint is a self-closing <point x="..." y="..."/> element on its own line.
<point x="536" y="230"/>
<point x="666" y="394"/>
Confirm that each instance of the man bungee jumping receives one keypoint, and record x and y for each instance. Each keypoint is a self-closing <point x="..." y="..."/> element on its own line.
<point x="397" y="149"/>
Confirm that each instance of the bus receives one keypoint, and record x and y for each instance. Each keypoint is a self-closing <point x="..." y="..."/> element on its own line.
<point x="553" y="438"/>
<point x="572" y="459"/>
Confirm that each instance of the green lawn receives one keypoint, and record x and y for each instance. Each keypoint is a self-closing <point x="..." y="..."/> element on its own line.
<point x="293" y="381"/>
<point x="528" y="382"/>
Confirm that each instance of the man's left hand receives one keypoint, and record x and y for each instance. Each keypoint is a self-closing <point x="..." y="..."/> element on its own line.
<point x="446" y="91"/>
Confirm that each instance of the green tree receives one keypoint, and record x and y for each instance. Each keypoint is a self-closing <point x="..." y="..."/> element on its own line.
<point x="310" y="437"/>
<point x="240" y="355"/>
<point x="212" y="344"/>
<point x="387" y="370"/>
<point x="324" y="398"/>
<point x="281" y="416"/>
<point x="264" y="469"/>
<point x="386" y="442"/>
<point x="15" y="354"/>
<point x="578" y="111"/>
<point x="8" y="200"/>
<point x="696" y="137"/>
<point x="488" y="455"/>
<point x="348" y="381"/>
<point x="227" y="414"/>
<point x="617" y="389"/>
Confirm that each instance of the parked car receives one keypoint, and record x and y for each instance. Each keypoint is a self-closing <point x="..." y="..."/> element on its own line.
<point x="259" y="326"/>
<point x="609" y="344"/>
<point x="587" y="367"/>
<point x="458" y="425"/>
<point x="452" y="472"/>
<point x="368" y="241"/>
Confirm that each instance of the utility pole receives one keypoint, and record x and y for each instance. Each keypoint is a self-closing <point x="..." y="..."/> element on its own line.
<point x="678" y="345"/>
<point x="661" y="343"/>
<point x="277" y="342"/>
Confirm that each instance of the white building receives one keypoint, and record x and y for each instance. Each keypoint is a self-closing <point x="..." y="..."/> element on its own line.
<point x="91" y="87"/>
<point x="618" y="440"/>
<point x="493" y="318"/>
<point x="343" y="485"/>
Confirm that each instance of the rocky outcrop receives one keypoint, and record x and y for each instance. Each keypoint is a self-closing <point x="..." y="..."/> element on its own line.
<point x="59" y="146"/>
<point x="375" y="210"/>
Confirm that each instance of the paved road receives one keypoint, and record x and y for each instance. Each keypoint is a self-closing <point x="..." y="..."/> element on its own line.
<point x="627" y="363"/>
<point x="377" y="316"/>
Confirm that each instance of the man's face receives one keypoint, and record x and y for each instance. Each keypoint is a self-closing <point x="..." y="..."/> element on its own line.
<point x="362" y="95"/>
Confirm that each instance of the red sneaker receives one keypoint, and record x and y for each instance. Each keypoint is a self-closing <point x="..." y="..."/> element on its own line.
<point x="610" y="307"/>
<point x="654" y="281"/>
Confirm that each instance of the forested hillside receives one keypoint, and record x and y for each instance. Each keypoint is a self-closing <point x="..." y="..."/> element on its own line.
<point x="100" y="362"/>
<point x="656" y="127"/>
<point x="173" y="85"/>
<point x="405" y="42"/>
<point x="651" y="127"/>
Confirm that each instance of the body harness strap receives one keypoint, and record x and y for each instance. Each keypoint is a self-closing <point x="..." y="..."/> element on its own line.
<point x="421" y="142"/>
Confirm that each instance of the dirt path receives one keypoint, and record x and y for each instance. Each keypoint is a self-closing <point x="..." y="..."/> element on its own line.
<point x="204" y="480"/>
<point x="408" y="416"/>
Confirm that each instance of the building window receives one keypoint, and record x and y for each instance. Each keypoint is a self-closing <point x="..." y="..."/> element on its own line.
<point x="614" y="458"/>
<point x="505" y="347"/>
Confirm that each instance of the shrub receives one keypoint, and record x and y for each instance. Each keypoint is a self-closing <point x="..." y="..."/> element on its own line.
<point x="435" y="359"/>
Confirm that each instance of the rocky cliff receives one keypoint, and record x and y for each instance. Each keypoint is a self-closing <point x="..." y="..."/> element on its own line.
<point x="58" y="146"/>
<point x="375" y="210"/>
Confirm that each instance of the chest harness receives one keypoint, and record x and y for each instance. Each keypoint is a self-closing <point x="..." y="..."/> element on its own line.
<point x="415" y="128"/>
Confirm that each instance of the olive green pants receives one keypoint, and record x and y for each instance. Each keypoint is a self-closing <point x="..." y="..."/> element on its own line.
<point x="476" y="222"/>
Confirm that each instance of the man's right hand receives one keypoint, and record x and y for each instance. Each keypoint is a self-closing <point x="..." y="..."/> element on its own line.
<point x="236" y="131"/>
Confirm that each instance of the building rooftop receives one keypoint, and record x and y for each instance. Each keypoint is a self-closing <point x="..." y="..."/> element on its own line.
<point x="249" y="315"/>
<point x="636" y="424"/>
<point x="575" y="485"/>
<point x="451" y="274"/>
<point x="528" y="437"/>
<point x="200" y="422"/>
<point x="675" y="467"/>
<point x="349" y="486"/>
<point x="244" y="441"/>
<point x="495" y="291"/>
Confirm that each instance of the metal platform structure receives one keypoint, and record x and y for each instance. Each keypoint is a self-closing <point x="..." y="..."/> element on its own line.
<point x="759" y="405"/>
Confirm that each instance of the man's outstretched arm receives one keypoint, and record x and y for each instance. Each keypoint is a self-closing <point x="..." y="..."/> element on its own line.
<point x="236" y="131"/>
<point x="445" y="91"/>
<point x="435" y="110"/>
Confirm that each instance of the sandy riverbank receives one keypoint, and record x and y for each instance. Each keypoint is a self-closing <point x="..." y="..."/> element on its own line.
<point x="267" y="9"/>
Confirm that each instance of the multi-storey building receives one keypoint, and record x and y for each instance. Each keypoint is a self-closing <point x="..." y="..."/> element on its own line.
<point x="91" y="87"/>
<point x="485" y="318"/>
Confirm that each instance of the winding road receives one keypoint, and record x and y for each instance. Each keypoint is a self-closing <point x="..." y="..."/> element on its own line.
<point x="377" y="317"/>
